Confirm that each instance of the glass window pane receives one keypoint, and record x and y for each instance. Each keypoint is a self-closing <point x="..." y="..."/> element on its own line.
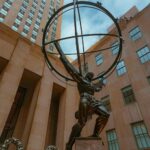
<point x="144" y="54"/>
<point x="135" y="33"/>
<point x="112" y="140"/>
<point x="141" y="135"/>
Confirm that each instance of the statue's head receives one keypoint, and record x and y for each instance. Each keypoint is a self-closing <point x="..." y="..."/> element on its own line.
<point x="89" y="76"/>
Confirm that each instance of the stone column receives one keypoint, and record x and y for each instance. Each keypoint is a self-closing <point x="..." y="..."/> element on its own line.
<point x="11" y="78"/>
<point x="41" y="115"/>
<point x="88" y="144"/>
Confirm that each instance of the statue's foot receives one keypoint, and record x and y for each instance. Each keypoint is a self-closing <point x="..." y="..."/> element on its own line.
<point x="68" y="147"/>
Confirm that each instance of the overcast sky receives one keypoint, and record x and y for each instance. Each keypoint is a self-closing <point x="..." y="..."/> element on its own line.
<point x="91" y="23"/>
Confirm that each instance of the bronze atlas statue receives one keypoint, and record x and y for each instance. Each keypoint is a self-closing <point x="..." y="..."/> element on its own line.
<point x="87" y="83"/>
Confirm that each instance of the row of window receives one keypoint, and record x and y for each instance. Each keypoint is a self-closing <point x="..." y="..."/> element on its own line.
<point x="29" y="19"/>
<point x="5" y="8"/>
<point x="134" y="35"/>
<point x="127" y="93"/>
<point x="38" y="22"/>
<point x="54" y="26"/>
<point x="20" y="15"/>
<point x="143" y="54"/>
<point x="140" y="133"/>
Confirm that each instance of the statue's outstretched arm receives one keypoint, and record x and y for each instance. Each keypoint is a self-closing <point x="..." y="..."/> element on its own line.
<point x="72" y="71"/>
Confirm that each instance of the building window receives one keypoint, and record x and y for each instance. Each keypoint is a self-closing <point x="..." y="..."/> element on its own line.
<point x="115" y="48"/>
<point x="53" y="36"/>
<point x="144" y="54"/>
<point x="15" y="26"/>
<point x="141" y="135"/>
<point x="106" y="101"/>
<point x="19" y="18"/>
<point x="148" y="78"/>
<point x="51" y="47"/>
<point x="52" y="2"/>
<point x="128" y="94"/>
<point x="22" y="11"/>
<point x="135" y="33"/>
<point x="99" y="59"/>
<point x="102" y="79"/>
<point x="112" y="140"/>
<point x="121" y="68"/>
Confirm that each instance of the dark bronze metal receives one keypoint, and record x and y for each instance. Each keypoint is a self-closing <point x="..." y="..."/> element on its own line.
<point x="88" y="104"/>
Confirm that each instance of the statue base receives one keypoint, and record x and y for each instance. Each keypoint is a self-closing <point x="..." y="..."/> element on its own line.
<point x="90" y="143"/>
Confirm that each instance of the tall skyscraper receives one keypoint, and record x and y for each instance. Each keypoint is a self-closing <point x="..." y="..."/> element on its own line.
<point x="29" y="17"/>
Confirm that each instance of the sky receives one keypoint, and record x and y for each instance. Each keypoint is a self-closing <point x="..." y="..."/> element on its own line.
<point x="94" y="21"/>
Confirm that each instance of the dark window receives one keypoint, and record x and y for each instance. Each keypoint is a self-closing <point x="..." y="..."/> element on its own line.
<point x="54" y="28"/>
<point x="30" y="17"/>
<point x="99" y="59"/>
<point x="106" y="101"/>
<point x="24" y="5"/>
<point x="35" y="29"/>
<point x="35" y="1"/>
<point x="43" y="2"/>
<point x="52" y="3"/>
<point x="5" y="8"/>
<point x="121" y="68"/>
<point x="32" y="12"/>
<point x="112" y="140"/>
<point x="42" y="6"/>
<point x="144" y="54"/>
<point x="28" y="24"/>
<point x="41" y="11"/>
<point x="16" y="25"/>
<point x="2" y="16"/>
<point x="34" y="6"/>
<point x="9" y="2"/>
<point x="22" y="11"/>
<point x="25" y="31"/>
<point x="33" y="36"/>
<point x="19" y="18"/>
<point x="39" y="17"/>
<point x="37" y="23"/>
<point x="141" y="135"/>
<point x="135" y="33"/>
<point x="128" y="94"/>
<point x="115" y="48"/>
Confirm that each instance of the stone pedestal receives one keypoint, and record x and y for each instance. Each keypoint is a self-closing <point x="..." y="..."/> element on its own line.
<point x="88" y="144"/>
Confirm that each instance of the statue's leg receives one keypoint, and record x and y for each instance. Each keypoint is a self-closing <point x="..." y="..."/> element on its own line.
<point x="100" y="124"/>
<point x="77" y="128"/>
<point x="101" y="120"/>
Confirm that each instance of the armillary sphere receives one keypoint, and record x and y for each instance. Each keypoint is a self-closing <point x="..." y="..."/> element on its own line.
<point x="76" y="7"/>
